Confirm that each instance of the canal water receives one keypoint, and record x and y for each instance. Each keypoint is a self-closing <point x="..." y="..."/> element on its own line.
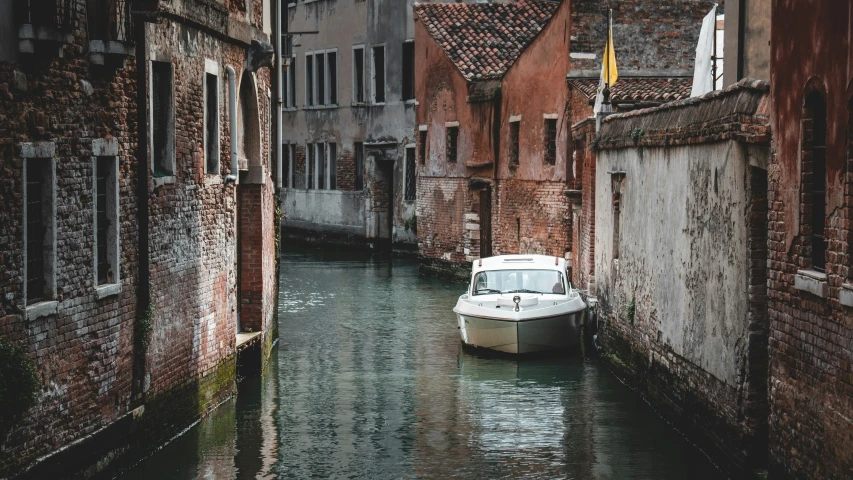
<point x="368" y="381"/>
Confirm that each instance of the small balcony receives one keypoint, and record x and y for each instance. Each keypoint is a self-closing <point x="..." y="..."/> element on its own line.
<point x="110" y="31"/>
<point x="43" y="23"/>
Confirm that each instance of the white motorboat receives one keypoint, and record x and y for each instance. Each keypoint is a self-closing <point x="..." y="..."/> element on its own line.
<point x="520" y="304"/>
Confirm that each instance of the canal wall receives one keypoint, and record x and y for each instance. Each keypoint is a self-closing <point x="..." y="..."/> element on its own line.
<point x="680" y="264"/>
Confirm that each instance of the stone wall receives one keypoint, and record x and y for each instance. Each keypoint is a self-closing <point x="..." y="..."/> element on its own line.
<point x="583" y="207"/>
<point x="680" y="264"/>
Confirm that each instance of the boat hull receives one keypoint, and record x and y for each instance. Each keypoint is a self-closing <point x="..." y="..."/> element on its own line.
<point x="522" y="336"/>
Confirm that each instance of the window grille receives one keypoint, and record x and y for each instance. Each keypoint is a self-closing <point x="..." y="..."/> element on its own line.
<point x="36" y="232"/>
<point x="109" y="20"/>
<point x="551" y="141"/>
<point x="452" y="144"/>
<point x="56" y="14"/>
<point x="103" y="223"/>
<point x="411" y="175"/>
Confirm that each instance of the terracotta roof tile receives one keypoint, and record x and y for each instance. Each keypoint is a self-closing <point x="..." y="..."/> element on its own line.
<point x="640" y="89"/>
<point x="483" y="40"/>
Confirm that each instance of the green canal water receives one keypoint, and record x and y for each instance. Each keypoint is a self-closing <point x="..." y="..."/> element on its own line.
<point x="369" y="381"/>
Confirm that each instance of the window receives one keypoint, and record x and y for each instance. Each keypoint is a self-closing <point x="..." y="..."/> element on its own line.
<point x="287" y="166"/>
<point x="320" y="87"/>
<point x="162" y="119"/>
<point x="106" y="220"/>
<point x="617" y="186"/>
<point x="211" y="123"/>
<point x="409" y="70"/>
<point x="311" y="168"/>
<point x="379" y="74"/>
<point x="358" y="74"/>
<point x="290" y="85"/>
<point x="513" y="142"/>
<point x="333" y="166"/>
<point x="332" y="69"/>
<point x="290" y="161"/>
<point x="422" y="144"/>
<point x="359" y="166"/>
<point x="320" y="158"/>
<point x="452" y="143"/>
<point x="309" y="79"/>
<point x="551" y="140"/>
<point x="814" y="148"/>
<point x="107" y="20"/>
<point x="411" y="176"/>
<point x="39" y="238"/>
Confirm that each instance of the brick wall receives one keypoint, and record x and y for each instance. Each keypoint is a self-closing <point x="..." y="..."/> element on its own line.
<point x="442" y="205"/>
<point x="83" y="352"/>
<point x="346" y="169"/>
<point x="583" y="261"/>
<point x="543" y="211"/>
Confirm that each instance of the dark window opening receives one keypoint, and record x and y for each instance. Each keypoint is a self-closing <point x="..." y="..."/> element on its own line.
<point x="291" y="84"/>
<point x="163" y="125"/>
<point x="332" y="59"/>
<point x="104" y="268"/>
<point x="513" y="143"/>
<point x="320" y="61"/>
<point x="211" y="153"/>
<point x="379" y="74"/>
<point x="37" y="191"/>
<point x="359" y="166"/>
<point x="452" y="144"/>
<point x="551" y="141"/>
<point x="321" y="166"/>
<point x="310" y="165"/>
<point x="617" y="213"/>
<point x="358" y="60"/>
<point x="109" y="20"/>
<point x="45" y="13"/>
<point x="309" y="80"/>
<point x="411" y="175"/>
<point x="815" y="112"/>
<point x="333" y="166"/>
<point x="422" y="140"/>
<point x="287" y="168"/>
<point x="409" y="71"/>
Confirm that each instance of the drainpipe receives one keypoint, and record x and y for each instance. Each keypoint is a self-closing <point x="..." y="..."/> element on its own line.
<point x="232" y="119"/>
<point x="143" y="292"/>
<point x="279" y="93"/>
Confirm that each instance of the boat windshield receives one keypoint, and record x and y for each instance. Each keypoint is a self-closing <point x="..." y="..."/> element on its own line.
<point x="519" y="281"/>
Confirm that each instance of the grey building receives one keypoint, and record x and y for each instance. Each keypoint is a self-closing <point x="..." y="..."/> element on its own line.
<point x="348" y="122"/>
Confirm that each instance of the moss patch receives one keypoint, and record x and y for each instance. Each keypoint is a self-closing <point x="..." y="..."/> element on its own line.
<point x="19" y="384"/>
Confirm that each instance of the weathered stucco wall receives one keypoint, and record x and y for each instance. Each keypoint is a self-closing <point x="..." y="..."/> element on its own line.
<point x="326" y="211"/>
<point x="681" y="260"/>
<point x="682" y="248"/>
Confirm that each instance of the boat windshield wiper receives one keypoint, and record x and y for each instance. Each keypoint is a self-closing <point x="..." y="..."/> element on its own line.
<point x="523" y="290"/>
<point x="486" y="290"/>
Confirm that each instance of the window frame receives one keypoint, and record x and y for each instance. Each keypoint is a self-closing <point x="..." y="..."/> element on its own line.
<point x="43" y="153"/>
<point x="107" y="149"/>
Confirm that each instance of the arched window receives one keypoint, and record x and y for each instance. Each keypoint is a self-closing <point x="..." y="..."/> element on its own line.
<point x="814" y="176"/>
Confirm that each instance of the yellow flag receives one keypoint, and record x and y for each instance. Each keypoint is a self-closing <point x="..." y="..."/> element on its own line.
<point x="609" y="66"/>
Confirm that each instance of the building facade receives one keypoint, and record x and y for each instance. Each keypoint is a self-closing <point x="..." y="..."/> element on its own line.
<point x="492" y="159"/>
<point x="810" y="293"/>
<point x="138" y="255"/>
<point x="348" y="121"/>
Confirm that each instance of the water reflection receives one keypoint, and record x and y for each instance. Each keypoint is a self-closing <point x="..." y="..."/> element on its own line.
<point x="370" y="382"/>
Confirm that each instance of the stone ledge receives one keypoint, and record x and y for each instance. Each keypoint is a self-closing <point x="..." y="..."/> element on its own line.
<point x="160" y="181"/>
<point x="846" y="295"/>
<point x="41" y="309"/>
<point x="104" y="291"/>
<point x="812" y="282"/>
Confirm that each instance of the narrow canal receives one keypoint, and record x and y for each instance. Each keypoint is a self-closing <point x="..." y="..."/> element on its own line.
<point x="369" y="381"/>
